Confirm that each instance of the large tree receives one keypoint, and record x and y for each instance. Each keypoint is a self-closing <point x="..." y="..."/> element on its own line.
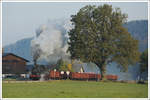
<point x="144" y="62"/>
<point x="98" y="36"/>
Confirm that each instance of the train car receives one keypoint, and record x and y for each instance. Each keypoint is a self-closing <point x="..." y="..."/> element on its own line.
<point x="54" y="75"/>
<point x="84" y="76"/>
<point x="79" y="76"/>
<point x="35" y="77"/>
<point x="112" y="77"/>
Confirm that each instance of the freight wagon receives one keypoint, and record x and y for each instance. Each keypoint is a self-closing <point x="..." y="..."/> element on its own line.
<point x="84" y="76"/>
<point x="80" y="76"/>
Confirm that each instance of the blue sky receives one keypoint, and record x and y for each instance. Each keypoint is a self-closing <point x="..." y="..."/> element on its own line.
<point x="20" y="20"/>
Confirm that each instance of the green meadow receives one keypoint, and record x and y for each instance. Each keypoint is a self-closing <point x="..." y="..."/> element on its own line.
<point x="74" y="89"/>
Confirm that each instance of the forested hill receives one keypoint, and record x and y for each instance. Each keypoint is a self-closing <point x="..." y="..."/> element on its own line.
<point x="138" y="29"/>
<point x="21" y="48"/>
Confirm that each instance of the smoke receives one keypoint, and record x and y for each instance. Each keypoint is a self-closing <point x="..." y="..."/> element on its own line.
<point x="50" y="43"/>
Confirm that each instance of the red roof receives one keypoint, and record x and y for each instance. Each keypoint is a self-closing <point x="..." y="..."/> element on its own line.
<point x="6" y="54"/>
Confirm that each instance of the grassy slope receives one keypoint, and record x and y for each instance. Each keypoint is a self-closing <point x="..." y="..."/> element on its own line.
<point x="75" y="89"/>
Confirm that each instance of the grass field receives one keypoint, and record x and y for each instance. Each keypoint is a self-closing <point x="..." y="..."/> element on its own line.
<point x="74" y="89"/>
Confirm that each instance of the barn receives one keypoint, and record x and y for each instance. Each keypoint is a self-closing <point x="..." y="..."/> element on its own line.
<point x="13" y="64"/>
<point x="88" y="67"/>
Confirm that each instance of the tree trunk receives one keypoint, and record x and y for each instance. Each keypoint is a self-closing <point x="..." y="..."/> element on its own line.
<point x="103" y="72"/>
<point x="102" y="68"/>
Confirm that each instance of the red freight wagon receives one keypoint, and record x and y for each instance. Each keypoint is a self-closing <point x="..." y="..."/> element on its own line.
<point x="111" y="77"/>
<point x="92" y="76"/>
<point x="98" y="76"/>
<point x="85" y="76"/>
<point x="75" y="75"/>
<point x="80" y="76"/>
<point x="54" y="75"/>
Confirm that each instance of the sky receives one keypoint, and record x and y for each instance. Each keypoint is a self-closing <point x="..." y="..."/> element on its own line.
<point x="20" y="20"/>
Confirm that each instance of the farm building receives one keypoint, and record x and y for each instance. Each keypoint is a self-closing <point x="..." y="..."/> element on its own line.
<point x="89" y="67"/>
<point x="13" y="64"/>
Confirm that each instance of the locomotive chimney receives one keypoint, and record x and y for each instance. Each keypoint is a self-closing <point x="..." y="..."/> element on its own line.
<point x="35" y="62"/>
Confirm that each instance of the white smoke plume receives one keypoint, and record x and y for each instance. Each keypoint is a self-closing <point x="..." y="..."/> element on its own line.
<point x="50" y="43"/>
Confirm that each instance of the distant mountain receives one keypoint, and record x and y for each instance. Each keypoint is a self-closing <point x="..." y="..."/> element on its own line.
<point x="21" y="48"/>
<point x="138" y="29"/>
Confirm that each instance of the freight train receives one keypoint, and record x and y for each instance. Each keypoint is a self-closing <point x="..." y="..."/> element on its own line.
<point x="56" y="75"/>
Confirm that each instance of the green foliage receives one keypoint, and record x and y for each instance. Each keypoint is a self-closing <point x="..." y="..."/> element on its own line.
<point x="98" y="36"/>
<point x="144" y="61"/>
<point x="64" y="66"/>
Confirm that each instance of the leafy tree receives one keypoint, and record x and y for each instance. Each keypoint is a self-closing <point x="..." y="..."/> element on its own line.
<point x="144" y="61"/>
<point x="59" y="63"/>
<point x="98" y="36"/>
<point x="64" y="66"/>
<point x="70" y="67"/>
